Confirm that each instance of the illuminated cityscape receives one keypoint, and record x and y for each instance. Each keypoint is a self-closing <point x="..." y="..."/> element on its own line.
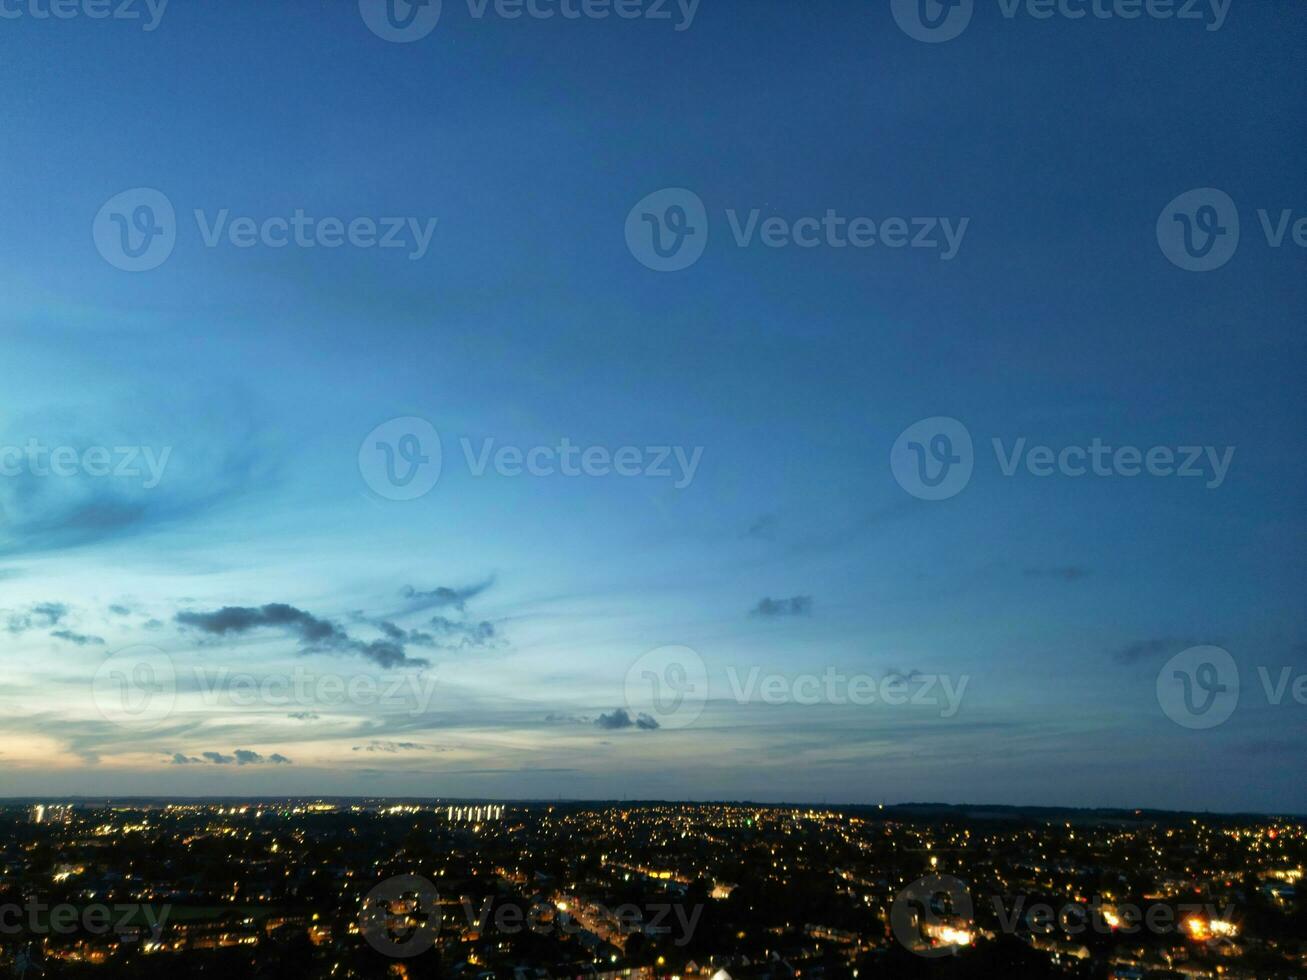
<point x="653" y="489"/>
<point x="361" y="888"/>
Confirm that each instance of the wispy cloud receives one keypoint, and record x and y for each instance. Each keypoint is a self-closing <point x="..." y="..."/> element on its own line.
<point x="797" y="605"/>
<point x="443" y="596"/>
<point x="763" y="528"/>
<point x="171" y="480"/>
<point x="1149" y="649"/>
<point x="43" y="615"/>
<point x="383" y="746"/>
<point x="80" y="639"/>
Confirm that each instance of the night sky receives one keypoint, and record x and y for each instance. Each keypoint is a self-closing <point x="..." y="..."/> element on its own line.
<point x="743" y="496"/>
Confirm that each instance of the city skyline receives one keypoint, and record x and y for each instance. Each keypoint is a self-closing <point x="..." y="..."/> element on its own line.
<point x="372" y="888"/>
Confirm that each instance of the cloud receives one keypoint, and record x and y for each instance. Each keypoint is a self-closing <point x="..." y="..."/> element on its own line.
<point x="40" y="616"/>
<point x="763" y="528"/>
<point x="314" y="633"/>
<point x="620" y="718"/>
<point x="1149" y="649"/>
<point x="240" y="757"/>
<point x="246" y="757"/>
<point x="1065" y="573"/>
<point x="443" y="596"/>
<point x="303" y="715"/>
<point x="899" y="676"/>
<point x="81" y="639"/>
<point x="447" y="634"/>
<point x="481" y="634"/>
<point x="148" y="487"/>
<point x="555" y="718"/>
<point x="797" y="605"/>
<point x="242" y="619"/>
<point x="380" y="746"/>
<point x="120" y="610"/>
<point x="178" y="759"/>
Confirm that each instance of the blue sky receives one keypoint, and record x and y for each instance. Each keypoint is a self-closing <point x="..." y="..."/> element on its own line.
<point x="528" y="320"/>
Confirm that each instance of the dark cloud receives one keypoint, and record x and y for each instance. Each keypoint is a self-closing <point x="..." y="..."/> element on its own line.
<point x="218" y="758"/>
<point x="763" y="528"/>
<point x="1150" y="649"/>
<point x="81" y="639"/>
<point x="120" y="610"/>
<point x="242" y="619"/>
<point x="315" y="634"/>
<point x="443" y="596"/>
<point x="621" y="718"/>
<point x="303" y="715"/>
<point x="1064" y="573"/>
<point x="386" y="653"/>
<point x="178" y="759"/>
<point x="797" y="605"/>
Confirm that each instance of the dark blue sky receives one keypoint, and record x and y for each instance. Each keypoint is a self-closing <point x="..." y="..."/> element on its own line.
<point x="527" y="319"/>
